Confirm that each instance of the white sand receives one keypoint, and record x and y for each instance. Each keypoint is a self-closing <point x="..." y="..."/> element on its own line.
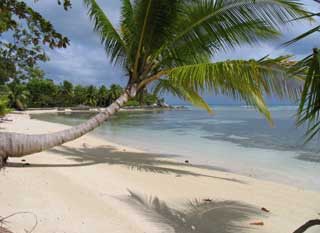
<point x="82" y="187"/>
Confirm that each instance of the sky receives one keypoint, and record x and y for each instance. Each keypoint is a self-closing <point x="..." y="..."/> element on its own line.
<point x="85" y="62"/>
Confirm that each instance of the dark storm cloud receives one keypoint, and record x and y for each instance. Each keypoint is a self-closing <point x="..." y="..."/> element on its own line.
<point x="84" y="61"/>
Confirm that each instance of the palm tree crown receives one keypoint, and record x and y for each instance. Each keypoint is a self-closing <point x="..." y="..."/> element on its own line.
<point x="173" y="43"/>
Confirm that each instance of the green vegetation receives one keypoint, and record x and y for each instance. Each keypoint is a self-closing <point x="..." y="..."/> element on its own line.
<point x="309" y="107"/>
<point x="27" y="34"/>
<point x="43" y="93"/>
<point x="3" y="106"/>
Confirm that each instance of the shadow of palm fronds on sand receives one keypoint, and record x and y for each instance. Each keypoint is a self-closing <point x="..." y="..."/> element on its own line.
<point x="147" y="162"/>
<point x="4" y="230"/>
<point x="4" y="221"/>
<point x="197" y="216"/>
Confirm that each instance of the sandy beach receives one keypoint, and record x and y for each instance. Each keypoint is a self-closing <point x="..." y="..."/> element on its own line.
<point x="93" y="185"/>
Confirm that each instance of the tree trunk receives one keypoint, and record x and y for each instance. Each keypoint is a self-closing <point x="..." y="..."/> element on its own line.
<point x="18" y="145"/>
<point x="307" y="225"/>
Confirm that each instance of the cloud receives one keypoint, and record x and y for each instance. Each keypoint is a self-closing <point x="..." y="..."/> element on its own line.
<point x="82" y="65"/>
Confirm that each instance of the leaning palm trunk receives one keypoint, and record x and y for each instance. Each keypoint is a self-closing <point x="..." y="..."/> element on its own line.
<point x="18" y="145"/>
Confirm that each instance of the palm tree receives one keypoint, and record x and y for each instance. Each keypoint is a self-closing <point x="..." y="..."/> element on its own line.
<point x="18" y="95"/>
<point x="79" y="95"/>
<point x="66" y="93"/>
<point x="102" y="96"/>
<point x="114" y="93"/>
<point x="176" y="40"/>
<point x="91" y="96"/>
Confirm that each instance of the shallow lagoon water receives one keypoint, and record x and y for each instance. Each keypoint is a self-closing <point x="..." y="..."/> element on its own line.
<point x="235" y="137"/>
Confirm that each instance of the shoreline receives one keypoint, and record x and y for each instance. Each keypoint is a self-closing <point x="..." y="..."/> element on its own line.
<point x="86" y="183"/>
<point x="97" y="110"/>
<point x="220" y="162"/>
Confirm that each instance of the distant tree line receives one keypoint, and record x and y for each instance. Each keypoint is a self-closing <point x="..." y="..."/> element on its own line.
<point x="44" y="93"/>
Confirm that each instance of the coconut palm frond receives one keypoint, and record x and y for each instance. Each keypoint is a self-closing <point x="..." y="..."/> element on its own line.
<point x="243" y="80"/>
<point x="309" y="108"/>
<point x="153" y="19"/>
<point x="208" y="45"/>
<point x="110" y="38"/>
<point x="225" y="24"/>
<point x="128" y="28"/>
<point x="186" y="93"/>
<point x="303" y="36"/>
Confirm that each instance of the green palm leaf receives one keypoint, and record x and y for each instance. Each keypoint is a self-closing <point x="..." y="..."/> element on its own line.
<point x="309" y="108"/>
<point x="153" y="20"/>
<point x="303" y="36"/>
<point x="110" y="38"/>
<point x="249" y="80"/>
<point x="128" y="28"/>
<point x="219" y="25"/>
<point x="164" y="86"/>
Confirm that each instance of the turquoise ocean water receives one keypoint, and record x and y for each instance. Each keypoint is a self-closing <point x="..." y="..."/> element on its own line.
<point x="236" y="138"/>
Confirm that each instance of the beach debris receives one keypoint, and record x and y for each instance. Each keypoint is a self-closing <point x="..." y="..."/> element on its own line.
<point x="259" y="223"/>
<point x="23" y="160"/>
<point x="193" y="227"/>
<point x="186" y="161"/>
<point x="207" y="200"/>
<point x="265" y="210"/>
<point x="26" y="164"/>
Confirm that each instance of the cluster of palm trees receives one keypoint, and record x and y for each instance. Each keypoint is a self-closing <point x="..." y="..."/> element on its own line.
<point x="40" y="93"/>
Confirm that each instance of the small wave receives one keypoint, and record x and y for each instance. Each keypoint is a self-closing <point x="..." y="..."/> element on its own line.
<point x="232" y="136"/>
<point x="231" y="122"/>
